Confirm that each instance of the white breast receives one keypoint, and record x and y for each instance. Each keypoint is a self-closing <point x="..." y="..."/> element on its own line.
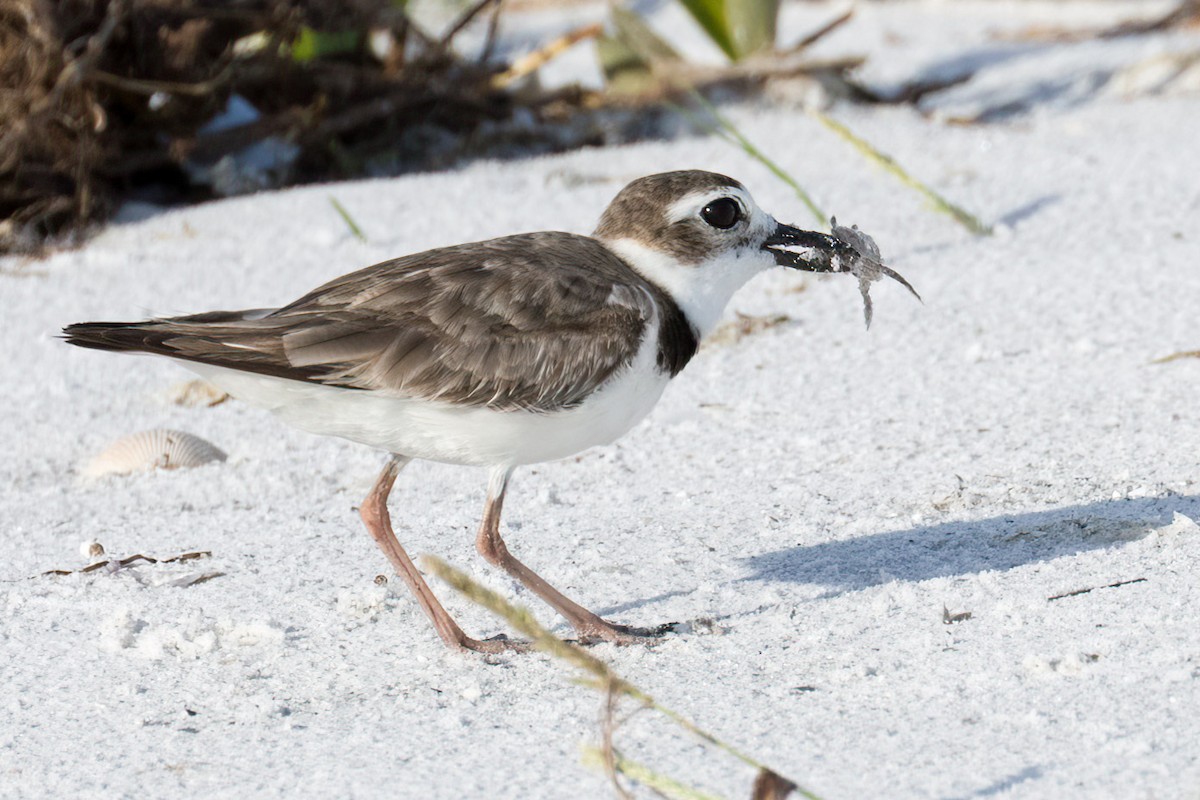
<point x="457" y="434"/>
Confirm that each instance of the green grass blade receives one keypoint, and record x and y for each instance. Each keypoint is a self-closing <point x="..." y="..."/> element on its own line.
<point x="711" y="16"/>
<point x="752" y="25"/>
<point x="739" y="27"/>
<point x="311" y="44"/>
<point x="639" y="37"/>
<point x="960" y="215"/>
<point x="724" y="127"/>
<point x="346" y="218"/>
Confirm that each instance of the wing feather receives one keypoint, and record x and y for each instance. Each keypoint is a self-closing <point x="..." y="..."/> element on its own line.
<point x="535" y="321"/>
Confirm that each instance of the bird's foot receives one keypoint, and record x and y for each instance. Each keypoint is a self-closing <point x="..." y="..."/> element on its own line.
<point x="495" y="644"/>
<point x="596" y="632"/>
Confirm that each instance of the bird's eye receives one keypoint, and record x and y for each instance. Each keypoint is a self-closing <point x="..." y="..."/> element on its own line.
<point x="723" y="213"/>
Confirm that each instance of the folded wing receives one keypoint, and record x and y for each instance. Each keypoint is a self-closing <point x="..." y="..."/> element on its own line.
<point x="536" y="321"/>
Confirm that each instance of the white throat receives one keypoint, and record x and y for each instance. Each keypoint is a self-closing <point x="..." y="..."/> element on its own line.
<point x="701" y="290"/>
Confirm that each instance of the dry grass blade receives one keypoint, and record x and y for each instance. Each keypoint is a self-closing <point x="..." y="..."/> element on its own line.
<point x="604" y="678"/>
<point x="661" y="784"/>
<point x="608" y="752"/>
<point x="523" y="621"/>
<point x="1177" y="356"/>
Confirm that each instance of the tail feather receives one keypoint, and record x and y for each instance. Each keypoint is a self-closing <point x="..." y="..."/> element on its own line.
<point x="241" y="340"/>
<point x="119" y="337"/>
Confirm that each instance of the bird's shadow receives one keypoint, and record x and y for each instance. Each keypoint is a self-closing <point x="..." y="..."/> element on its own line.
<point x="964" y="548"/>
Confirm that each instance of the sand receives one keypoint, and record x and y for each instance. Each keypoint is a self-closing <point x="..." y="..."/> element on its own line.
<point x="818" y="498"/>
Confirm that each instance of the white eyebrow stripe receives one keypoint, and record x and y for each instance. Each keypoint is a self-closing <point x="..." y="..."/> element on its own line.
<point x="690" y="204"/>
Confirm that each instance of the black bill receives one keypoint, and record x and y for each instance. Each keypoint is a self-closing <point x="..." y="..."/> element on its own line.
<point x="808" y="250"/>
<point x="846" y="250"/>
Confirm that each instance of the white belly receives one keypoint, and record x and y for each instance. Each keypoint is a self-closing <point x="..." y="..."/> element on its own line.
<point x="456" y="434"/>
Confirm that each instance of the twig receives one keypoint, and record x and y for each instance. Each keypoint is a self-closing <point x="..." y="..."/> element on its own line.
<point x="961" y="216"/>
<point x="80" y="67"/>
<point x="463" y="21"/>
<point x="124" y="562"/>
<point x="824" y="30"/>
<point x="543" y="55"/>
<point x="198" y="89"/>
<point x="1186" y="13"/>
<point x="489" y="41"/>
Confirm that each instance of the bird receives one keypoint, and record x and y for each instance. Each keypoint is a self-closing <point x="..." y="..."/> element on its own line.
<point x="499" y="354"/>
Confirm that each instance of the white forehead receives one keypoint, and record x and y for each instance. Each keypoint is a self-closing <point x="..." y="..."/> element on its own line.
<point x="691" y="203"/>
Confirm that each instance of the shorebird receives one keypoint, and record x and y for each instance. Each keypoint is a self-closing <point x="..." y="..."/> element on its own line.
<point x="501" y="353"/>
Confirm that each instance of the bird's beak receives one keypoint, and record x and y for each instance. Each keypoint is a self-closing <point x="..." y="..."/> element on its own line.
<point x="807" y="250"/>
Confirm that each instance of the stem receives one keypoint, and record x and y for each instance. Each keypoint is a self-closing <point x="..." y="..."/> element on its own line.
<point x="349" y="220"/>
<point x="961" y="216"/>
<point x="730" y="132"/>
<point x="606" y="679"/>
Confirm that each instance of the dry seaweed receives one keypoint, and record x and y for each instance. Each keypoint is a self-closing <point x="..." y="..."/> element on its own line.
<point x="106" y="99"/>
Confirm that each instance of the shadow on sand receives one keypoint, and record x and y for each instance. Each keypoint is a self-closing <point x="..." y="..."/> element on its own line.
<point x="965" y="548"/>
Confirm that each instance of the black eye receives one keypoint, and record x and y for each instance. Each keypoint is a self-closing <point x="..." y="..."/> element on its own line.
<point x="723" y="213"/>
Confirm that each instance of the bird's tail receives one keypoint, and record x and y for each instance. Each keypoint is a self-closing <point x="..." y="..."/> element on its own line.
<point x="117" y="337"/>
<point x="236" y="339"/>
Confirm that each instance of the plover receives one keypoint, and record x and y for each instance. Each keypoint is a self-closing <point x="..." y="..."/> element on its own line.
<point x="502" y="353"/>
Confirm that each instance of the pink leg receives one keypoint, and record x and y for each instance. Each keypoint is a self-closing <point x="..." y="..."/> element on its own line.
<point x="374" y="513"/>
<point x="590" y="626"/>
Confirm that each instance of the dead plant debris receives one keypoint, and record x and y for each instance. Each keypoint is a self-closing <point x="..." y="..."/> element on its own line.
<point x="950" y="619"/>
<point x="110" y="98"/>
<point x="1094" y="588"/>
<point x="125" y="562"/>
<point x="743" y="325"/>
<point x="178" y="101"/>
<point x="1177" y="356"/>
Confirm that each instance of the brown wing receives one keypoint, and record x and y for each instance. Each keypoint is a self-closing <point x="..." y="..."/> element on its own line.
<point x="535" y="321"/>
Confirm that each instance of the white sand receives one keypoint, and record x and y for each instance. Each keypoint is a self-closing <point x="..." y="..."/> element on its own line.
<point x="822" y="492"/>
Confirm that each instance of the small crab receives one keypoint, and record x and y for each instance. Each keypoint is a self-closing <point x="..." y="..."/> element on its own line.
<point x="846" y="250"/>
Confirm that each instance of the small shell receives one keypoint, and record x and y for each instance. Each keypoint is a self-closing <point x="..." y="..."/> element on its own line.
<point x="157" y="449"/>
<point x="91" y="549"/>
<point x="196" y="394"/>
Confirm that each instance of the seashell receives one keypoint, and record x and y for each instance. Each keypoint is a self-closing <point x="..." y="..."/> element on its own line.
<point x="196" y="394"/>
<point x="90" y="548"/>
<point x="156" y="449"/>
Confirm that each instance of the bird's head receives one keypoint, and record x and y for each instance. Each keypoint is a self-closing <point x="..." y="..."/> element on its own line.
<point x="700" y="236"/>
